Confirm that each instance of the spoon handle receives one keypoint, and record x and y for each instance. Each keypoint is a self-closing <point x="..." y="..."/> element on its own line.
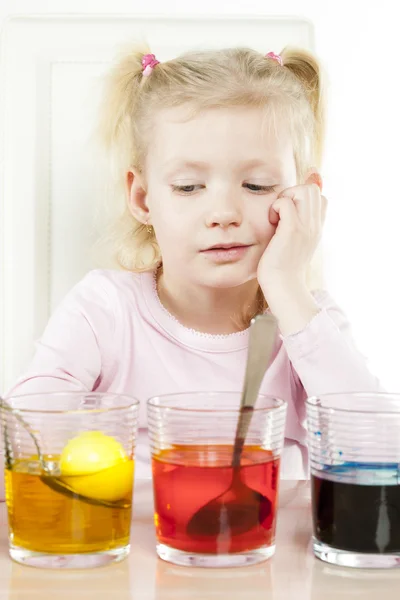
<point x="261" y="343"/>
<point x="8" y="450"/>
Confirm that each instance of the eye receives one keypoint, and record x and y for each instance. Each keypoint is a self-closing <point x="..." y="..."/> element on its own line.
<point x="265" y="189"/>
<point x="186" y="189"/>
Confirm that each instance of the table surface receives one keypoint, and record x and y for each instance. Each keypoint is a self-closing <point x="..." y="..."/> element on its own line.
<point x="292" y="573"/>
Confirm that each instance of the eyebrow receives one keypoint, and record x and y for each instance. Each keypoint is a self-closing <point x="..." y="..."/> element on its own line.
<point x="174" y="165"/>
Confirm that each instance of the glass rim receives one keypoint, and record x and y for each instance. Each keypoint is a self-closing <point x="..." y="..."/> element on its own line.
<point x="315" y="402"/>
<point x="133" y="402"/>
<point x="152" y="402"/>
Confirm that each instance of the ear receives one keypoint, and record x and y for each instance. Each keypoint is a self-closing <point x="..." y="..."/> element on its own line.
<point x="313" y="176"/>
<point x="137" y="195"/>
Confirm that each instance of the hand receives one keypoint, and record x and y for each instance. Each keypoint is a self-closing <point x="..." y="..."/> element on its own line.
<point x="299" y="214"/>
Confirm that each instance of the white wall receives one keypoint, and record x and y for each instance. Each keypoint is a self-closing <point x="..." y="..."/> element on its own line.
<point x="358" y="44"/>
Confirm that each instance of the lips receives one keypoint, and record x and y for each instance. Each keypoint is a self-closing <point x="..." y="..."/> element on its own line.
<point x="226" y="253"/>
<point x="229" y="246"/>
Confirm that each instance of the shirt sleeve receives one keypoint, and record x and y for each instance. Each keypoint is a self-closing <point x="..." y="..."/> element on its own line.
<point x="324" y="357"/>
<point x="69" y="355"/>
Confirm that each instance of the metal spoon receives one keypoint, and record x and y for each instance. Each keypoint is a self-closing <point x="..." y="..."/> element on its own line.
<point x="48" y="477"/>
<point x="240" y="508"/>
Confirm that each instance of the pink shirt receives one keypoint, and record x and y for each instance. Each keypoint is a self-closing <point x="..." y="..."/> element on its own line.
<point x="111" y="333"/>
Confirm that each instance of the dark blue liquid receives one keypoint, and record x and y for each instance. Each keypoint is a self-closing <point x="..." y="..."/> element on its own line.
<point x="356" y="507"/>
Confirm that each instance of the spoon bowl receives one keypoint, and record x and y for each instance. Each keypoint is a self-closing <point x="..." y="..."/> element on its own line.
<point x="236" y="511"/>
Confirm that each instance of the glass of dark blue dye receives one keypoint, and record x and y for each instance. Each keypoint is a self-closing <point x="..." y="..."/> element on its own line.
<point x="354" y="444"/>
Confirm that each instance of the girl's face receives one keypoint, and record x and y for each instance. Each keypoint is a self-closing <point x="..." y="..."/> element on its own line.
<point x="210" y="183"/>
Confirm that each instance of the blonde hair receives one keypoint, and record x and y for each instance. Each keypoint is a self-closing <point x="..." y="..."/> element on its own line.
<point x="200" y="80"/>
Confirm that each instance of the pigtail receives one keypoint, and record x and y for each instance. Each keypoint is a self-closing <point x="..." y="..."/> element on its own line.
<point x="307" y="70"/>
<point x="116" y="127"/>
<point x="132" y="245"/>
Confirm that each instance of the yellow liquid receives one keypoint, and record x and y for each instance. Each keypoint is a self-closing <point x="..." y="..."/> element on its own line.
<point x="43" y="520"/>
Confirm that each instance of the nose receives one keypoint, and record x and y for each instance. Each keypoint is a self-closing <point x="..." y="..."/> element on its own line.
<point x="224" y="213"/>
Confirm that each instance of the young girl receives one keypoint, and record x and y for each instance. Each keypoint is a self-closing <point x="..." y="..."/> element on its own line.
<point x="219" y="153"/>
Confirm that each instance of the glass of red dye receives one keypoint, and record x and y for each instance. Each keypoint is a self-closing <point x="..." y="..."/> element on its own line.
<point x="191" y="438"/>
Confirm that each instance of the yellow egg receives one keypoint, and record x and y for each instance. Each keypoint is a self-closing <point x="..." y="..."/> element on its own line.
<point x="109" y="484"/>
<point x="90" y="452"/>
<point x="95" y="465"/>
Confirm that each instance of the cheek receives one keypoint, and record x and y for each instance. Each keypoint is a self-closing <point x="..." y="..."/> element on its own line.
<point x="172" y="218"/>
<point x="168" y="232"/>
<point x="261" y="224"/>
<point x="171" y="228"/>
<point x="163" y="215"/>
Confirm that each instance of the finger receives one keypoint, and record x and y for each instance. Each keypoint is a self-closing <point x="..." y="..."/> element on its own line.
<point x="314" y="209"/>
<point x="284" y="211"/>
<point x="314" y="179"/>
<point x="304" y="198"/>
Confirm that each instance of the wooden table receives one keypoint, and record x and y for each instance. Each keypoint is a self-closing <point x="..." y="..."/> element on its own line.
<point x="292" y="574"/>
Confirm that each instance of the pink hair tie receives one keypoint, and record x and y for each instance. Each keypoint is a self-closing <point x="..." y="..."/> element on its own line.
<point x="149" y="61"/>
<point x="276" y="57"/>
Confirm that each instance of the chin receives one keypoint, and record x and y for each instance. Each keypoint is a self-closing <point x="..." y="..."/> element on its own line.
<point x="228" y="277"/>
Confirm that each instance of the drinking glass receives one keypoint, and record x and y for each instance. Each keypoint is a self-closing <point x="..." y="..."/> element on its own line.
<point x="192" y="439"/>
<point x="354" y="442"/>
<point x="69" y="470"/>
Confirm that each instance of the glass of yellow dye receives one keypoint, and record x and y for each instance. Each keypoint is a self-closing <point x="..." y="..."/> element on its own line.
<point x="69" y="472"/>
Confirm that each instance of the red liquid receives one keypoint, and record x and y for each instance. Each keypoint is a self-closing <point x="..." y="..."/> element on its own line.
<point x="188" y="477"/>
